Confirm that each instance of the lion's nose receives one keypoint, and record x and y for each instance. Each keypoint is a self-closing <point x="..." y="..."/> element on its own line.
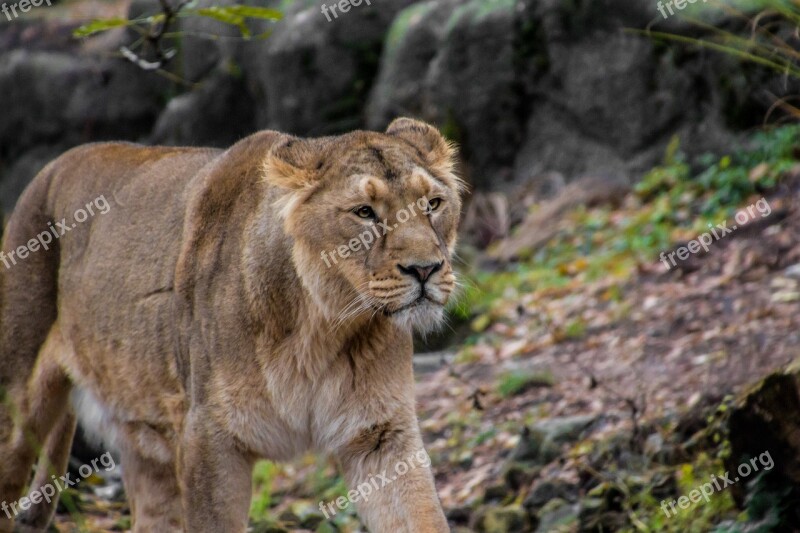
<point x="421" y="272"/>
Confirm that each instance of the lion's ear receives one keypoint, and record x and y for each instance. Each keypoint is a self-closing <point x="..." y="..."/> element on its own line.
<point x="292" y="164"/>
<point x="440" y="153"/>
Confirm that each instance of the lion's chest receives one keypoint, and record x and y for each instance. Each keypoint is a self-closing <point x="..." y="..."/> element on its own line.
<point x="278" y="415"/>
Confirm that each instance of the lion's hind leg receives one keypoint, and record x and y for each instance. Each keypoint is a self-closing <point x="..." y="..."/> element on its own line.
<point x="31" y="412"/>
<point x="52" y="465"/>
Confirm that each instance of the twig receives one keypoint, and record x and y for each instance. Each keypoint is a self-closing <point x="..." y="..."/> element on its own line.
<point x="155" y="38"/>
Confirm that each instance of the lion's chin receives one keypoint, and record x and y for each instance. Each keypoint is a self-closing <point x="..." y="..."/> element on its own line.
<point x="424" y="317"/>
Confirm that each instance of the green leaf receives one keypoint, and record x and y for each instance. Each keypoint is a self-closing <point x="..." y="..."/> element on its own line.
<point x="97" y="26"/>
<point x="252" y="12"/>
<point x="224" y="14"/>
<point x="237" y="15"/>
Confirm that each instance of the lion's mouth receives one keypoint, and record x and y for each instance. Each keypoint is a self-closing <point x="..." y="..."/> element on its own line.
<point x="423" y="299"/>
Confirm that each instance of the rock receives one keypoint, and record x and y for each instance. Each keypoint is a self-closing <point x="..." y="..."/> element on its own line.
<point x="518" y="475"/>
<point x="307" y="513"/>
<point x="219" y="113"/>
<point x="596" y="516"/>
<point x="38" y="35"/>
<point x="546" y="490"/>
<point x="112" y="491"/>
<point x="267" y="527"/>
<point x="63" y="100"/>
<point x="502" y="520"/>
<point x="557" y="515"/>
<point x="411" y="44"/>
<point x="529" y="447"/>
<point x="453" y="63"/>
<point x="765" y="442"/>
<point x="608" y="99"/>
<point x="313" y="75"/>
<point x="542" y="443"/>
<point x="14" y="179"/>
<point x="566" y="429"/>
<point x="326" y="527"/>
<point x="496" y="493"/>
<point x="426" y="363"/>
<point x="793" y="271"/>
<point x="200" y="56"/>
<point x="459" y="515"/>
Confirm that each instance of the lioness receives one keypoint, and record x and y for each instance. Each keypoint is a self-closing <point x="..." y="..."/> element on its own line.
<point x="200" y="314"/>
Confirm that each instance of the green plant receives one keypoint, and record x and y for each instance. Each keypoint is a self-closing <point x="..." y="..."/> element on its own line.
<point x="517" y="382"/>
<point x="765" y="35"/>
<point x="674" y="201"/>
<point x="149" y="51"/>
<point x="263" y="476"/>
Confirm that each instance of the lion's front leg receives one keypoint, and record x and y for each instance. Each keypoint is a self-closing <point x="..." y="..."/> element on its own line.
<point x="215" y="478"/>
<point x="388" y="472"/>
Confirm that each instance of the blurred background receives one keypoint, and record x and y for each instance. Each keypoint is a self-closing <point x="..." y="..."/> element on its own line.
<point x="586" y="376"/>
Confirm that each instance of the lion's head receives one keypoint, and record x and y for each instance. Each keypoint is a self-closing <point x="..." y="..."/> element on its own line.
<point x="374" y="220"/>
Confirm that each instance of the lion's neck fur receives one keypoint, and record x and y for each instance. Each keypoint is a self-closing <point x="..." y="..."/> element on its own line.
<point x="308" y="329"/>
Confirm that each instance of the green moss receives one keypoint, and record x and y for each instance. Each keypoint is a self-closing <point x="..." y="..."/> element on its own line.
<point x="700" y="517"/>
<point x="476" y="11"/>
<point x="517" y="382"/>
<point x="402" y="23"/>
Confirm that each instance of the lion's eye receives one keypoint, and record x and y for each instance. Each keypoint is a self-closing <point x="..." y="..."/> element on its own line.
<point x="364" y="211"/>
<point x="434" y="204"/>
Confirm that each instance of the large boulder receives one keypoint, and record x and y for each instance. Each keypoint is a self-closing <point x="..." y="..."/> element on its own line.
<point x="218" y="113"/>
<point x="61" y="99"/>
<point x="530" y="87"/>
<point x="21" y="171"/>
<point x="454" y="63"/>
<point x="62" y="92"/>
<point x="314" y="74"/>
<point x="764" y="459"/>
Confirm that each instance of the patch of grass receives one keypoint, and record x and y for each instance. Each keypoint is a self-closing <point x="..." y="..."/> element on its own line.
<point x="701" y="516"/>
<point x="516" y="382"/>
<point x="263" y="476"/>
<point x="673" y="202"/>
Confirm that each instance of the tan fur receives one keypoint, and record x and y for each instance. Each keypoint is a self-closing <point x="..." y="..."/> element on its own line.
<point x="201" y="316"/>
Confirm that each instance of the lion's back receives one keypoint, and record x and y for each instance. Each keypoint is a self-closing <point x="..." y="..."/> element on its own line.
<point x="119" y="211"/>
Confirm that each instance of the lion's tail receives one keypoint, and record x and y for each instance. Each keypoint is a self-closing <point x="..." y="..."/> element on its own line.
<point x="34" y="418"/>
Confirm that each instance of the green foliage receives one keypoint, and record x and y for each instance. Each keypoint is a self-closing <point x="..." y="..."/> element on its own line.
<point x="263" y="477"/>
<point x="761" y="41"/>
<point x="673" y="202"/>
<point x="767" y="507"/>
<point x="97" y="26"/>
<point x="700" y="517"/>
<point x="517" y="382"/>
<point x="723" y="182"/>
<point x="236" y="15"/>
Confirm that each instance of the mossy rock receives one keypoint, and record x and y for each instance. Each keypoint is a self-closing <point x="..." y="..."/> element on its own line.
<point x="764" y="433"/>
<point x="511" y="519"/>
